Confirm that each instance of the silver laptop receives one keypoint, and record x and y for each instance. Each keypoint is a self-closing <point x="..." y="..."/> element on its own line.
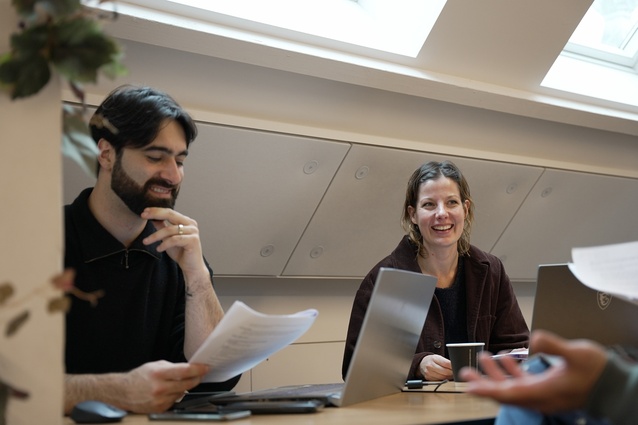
<point x="568" y="308"/>
<point x="384" y="351"/>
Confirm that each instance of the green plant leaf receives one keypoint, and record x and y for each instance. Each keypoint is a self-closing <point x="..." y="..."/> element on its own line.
<point x="115" y="68"/>
<point x="24" y="7"/>
<point x="16" y="323"/>
<point x="77" y="143"/>
<point x="59" y="304"/>
<point x="6" y="291"/>
<point x="31" y="41"/>
<point x="53" y="8"/>
<point x="58" y="35"/>
<point x="24" y="76"/>
<point x="81" y="50"/>
<point x="24" y="70"/>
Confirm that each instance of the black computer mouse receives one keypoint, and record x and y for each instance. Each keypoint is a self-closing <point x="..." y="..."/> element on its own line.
<point x="96" y="412"/>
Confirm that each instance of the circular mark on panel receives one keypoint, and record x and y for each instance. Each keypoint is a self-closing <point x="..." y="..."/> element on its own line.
<point x="362" y="172"/>
<point x="316" y="252"/>
<point x="267" y="251"/>
<point x="310" y="167"/>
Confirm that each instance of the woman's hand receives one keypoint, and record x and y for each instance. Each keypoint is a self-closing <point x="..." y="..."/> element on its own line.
<point x="435" y="368"/>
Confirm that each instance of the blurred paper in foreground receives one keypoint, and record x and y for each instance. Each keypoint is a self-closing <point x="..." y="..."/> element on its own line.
<point x="608" y="268"/>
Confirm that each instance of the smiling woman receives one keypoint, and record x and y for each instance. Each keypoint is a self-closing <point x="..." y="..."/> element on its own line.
<point x="474" y="300"/>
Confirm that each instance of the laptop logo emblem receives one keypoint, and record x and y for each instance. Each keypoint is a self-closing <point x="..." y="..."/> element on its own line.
<point x="604" y="299"/>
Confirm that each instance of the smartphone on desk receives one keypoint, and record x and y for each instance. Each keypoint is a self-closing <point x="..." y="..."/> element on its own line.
<point x="199" y="416"/>
<point x="261" y="407"/>
<point x="539" y="363"/>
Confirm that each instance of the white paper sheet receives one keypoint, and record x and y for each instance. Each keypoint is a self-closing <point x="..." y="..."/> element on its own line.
<point x="245" y="338"/>
<point x="608" y="268"/>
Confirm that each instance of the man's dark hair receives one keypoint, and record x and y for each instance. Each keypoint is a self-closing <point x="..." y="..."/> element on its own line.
<point x="132" y="116"/>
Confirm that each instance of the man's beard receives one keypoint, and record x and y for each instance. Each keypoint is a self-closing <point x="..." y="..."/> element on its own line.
<point x="137" y="197"/>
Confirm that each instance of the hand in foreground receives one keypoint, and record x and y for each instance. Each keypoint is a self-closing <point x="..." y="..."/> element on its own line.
<point x="564" y="386"/>
<point x="435" y="368"/>
<point x="154" y="387"/>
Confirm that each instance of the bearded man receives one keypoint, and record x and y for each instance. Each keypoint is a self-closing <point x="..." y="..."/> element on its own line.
<point x="124" y="239"/>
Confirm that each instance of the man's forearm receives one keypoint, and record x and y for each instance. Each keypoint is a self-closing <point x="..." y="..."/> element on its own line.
<point x="203" y="313"/>
<point x="105" y="387"/>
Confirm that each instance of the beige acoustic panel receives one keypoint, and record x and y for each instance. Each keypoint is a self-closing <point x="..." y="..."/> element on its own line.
<point x="253" y="193"/>
<point x="357" y="223"/>
<point x="568" y="209"/>
<point x="300" y="364"/>
<point x="498" y="190"/>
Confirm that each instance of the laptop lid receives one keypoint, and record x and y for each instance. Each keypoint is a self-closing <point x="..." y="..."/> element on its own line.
<point x="570" y="309"/>
<point x="389" y="335"/>
<point x="383" y="355"/>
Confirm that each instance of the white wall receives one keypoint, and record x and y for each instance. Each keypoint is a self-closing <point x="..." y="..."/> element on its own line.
<point x="31" y="246"/>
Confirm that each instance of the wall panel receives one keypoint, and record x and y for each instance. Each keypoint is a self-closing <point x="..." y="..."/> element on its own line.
<point x="567" y="209"/>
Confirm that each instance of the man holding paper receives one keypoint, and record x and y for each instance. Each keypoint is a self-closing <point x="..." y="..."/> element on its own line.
<point x="125" y="242"/>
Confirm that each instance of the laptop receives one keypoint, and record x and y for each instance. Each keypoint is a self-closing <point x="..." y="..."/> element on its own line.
<point x="570" y="309"/>
<point x="383" y="354"/>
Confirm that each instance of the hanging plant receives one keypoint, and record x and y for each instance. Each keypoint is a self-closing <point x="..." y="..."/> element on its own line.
<point x="62" y="37"/>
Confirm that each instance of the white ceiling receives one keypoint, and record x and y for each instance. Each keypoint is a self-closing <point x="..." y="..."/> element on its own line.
<point x="492" y="54"/>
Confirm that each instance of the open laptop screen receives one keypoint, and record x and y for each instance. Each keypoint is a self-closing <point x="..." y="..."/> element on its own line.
<point x="568" y="308"/>
<point x="382" y="357"/>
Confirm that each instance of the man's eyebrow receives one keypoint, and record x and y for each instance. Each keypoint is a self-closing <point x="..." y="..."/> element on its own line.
<point x="165" y="150"/>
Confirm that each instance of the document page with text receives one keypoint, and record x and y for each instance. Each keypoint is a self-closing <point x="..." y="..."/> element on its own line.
<point x="245" y="338"/>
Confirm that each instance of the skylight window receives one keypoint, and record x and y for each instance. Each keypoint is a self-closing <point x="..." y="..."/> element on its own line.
<point x="608" y="32"/>
<point x="600" y="61"/>
<point x="399" y="27"/>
